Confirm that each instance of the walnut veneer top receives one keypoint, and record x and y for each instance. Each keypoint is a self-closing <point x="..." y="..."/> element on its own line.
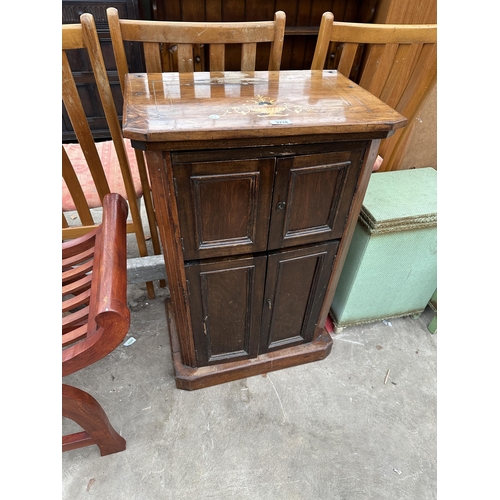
<point x="205" y="106"/>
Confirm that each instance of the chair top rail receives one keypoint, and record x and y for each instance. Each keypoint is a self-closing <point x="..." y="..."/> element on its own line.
<point x="383" y="33"/>
<point x="198" y="32"/>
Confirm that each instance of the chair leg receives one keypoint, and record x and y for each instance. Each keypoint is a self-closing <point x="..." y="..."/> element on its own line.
<point x="82" y="408"/>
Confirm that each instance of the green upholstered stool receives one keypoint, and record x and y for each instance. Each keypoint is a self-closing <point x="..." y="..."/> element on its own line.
<point x="390" y="269"/>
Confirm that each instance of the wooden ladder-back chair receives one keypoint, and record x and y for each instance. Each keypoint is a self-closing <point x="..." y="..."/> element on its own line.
<point x="398" y="65"/>
<point x="91" y="170"/>
<point x="162" y="40"/>
<point x="95" y="318"/>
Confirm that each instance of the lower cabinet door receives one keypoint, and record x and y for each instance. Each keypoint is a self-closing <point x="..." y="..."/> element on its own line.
<point x="296" y="283"/>
<point x="243" y="307"/>
<point x="225" y="298"/>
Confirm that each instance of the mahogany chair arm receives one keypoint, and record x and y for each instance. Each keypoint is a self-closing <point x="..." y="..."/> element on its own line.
<point x="108" y="316"/>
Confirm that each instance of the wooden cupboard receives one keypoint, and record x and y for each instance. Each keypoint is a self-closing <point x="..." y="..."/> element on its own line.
<point x="258" y="180"/>
<point x="256" y="206"/>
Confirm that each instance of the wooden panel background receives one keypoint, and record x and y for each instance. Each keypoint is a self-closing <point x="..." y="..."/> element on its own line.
<point x="302" y="21"/>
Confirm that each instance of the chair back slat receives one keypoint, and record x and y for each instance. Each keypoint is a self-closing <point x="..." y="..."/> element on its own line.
<point x="423" y="74"/>
<point x="248" y="56"/>
<point x="75" y="273"/>
<point x="185" y="59"/>
<point x="217" y="53"/>
<point x="72" y="255"/>
<point x="75" y="319"/>
<point x="77" y="286"/>
<point x="74" y="335"/>
<point x="383" y="33"/>
<point x="76" y="113"/>
<point x="348" y="54"/>
<point x="76" y="301"/>
<point x="399" y="74"/>
<point x="152" y="57"/>
<point x="75" y="188"/>
<point x="277" y="44"/>
<point x="378" y="67"/>
<point x="107" y="99"/>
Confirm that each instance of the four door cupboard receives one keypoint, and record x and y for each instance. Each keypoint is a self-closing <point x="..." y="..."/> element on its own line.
<point x="258" y="179"/>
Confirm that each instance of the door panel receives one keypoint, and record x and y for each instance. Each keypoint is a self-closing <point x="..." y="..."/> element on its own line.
<point x="224" y="206"/>
<point x="310" y="197"/>
<point x="295" y="286"/>
<point x="226" y="305"/>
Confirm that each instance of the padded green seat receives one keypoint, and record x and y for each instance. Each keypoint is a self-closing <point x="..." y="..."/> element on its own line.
<point x="391" y="267"/>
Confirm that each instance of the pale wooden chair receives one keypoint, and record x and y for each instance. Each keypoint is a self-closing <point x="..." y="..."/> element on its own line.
<point x="95" y="319"/>
<point x="91" y="170"/>
<point x="178" y="46"/>
<point x="395" y="62"/>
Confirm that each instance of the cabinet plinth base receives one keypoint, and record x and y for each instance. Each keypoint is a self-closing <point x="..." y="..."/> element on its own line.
<point x="190" y="379"/>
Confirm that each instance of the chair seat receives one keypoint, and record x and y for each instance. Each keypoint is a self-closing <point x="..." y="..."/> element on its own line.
<point x="112" y="171"/>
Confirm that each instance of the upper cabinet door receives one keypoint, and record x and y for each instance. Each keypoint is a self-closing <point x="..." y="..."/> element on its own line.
<point x="224" y="206"/>
<point x="312" y="197"/>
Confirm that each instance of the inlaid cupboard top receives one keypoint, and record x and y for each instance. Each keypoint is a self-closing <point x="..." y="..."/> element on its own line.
<point x="227" y="105"/>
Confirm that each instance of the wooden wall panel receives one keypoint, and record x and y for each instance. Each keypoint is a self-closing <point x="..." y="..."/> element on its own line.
<point x="421" y="149"/>
<point x="303" y="20"/>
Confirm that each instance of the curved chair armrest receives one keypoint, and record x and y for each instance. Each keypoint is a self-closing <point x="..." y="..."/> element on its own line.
<point x="109" y="316"/>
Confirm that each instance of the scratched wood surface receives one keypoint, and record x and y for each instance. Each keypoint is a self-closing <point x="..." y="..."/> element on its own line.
<point x="228" y="105"/>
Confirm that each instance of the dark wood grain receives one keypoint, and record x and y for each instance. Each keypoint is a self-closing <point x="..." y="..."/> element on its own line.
<point x="295" y="287"/>
<point x="224" y="206"/>
<point x="256" y="217"/>
<point x="162" y="180"/>
<point x="226" y="298"/>
<point x="309" y="194"/>
<point x="189" y="378"/>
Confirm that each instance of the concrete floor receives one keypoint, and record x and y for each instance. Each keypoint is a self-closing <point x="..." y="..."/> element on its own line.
<point x="326" y="430"/>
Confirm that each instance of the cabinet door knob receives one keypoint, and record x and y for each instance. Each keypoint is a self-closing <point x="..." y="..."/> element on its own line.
<point x="269" y="303"/>
<point x="280" y="205"/>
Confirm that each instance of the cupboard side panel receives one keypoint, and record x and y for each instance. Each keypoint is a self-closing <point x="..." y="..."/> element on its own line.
<point x="160" y="173"/>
